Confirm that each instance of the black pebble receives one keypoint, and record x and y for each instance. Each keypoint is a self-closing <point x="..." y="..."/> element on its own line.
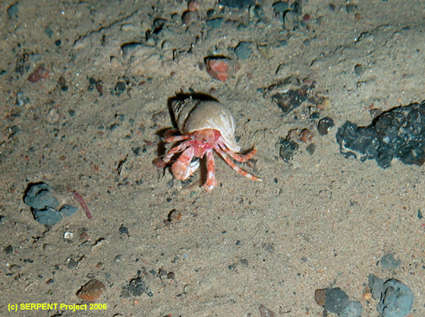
<point x="287" y="149"/>
<point x="325" y="125"/>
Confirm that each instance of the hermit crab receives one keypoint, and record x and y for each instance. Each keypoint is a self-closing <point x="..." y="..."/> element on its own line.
<point x="204" y="127"/>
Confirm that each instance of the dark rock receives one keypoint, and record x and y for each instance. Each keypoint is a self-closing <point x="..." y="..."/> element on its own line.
<point x="324" y="125"/>
<point x="124" y="230"/>
<point x="12" y="10"/>
<point x="48" y="31"/>
<point x="396" y="299"/>
<point x="48" y="216"/>
<point x="311" y="148"/>
<point x="136" y="287"/>
<point x="388" y="262"/>
<point x="243" y="50"/>
<point x="39" y="196"/>
<point x="214" y="23"/>
<point x="288" y="94"/>
<point x="68" y="210"/>
<point x="287" y="149"/>
<point x="238" y="4"/>
<point x="376" y="286"/>
<point x="359" y="69"/>
<point x="353" y="309"/>
<point x="396" y="133"/>
<point x="21" y="99"/>
<point x="62" y="83"/>
<point x="119" y="88"/>
<point x="336" y="300"/>
<point x="8" y="249"/>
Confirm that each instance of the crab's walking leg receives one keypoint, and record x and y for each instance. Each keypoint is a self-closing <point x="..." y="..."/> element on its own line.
<point x="234" y="166"/>
<point x="176" y="138"/>
<point x="161" y="163"/>
<point x="170" y="132"/>
<point x="211" y="181"/>
<point x="181" y="168"/>
<point x="237" y="157"/>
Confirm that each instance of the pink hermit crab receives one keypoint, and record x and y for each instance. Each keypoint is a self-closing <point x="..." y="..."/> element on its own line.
<point x="205" y="126"/>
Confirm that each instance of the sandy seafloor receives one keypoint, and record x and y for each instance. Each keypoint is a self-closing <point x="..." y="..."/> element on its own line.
<point x="317" y="221"/>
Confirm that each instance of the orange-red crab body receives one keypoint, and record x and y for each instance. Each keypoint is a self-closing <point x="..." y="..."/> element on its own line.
<point x="205" y="127"/>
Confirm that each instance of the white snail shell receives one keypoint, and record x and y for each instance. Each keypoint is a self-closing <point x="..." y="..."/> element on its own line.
<point x="193" y="115"/>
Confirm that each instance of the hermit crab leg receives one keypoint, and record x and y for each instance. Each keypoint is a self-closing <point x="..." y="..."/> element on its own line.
<point x="182" y="167"/>
<point x="176" y="138"/>
<point x="211" y="181"/>
<point x="237" y="157"/>
<point x="178" y="148"/>
<point x="234" y="166"/>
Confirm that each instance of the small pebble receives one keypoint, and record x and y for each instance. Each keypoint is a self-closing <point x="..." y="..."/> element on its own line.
<point x="287" y="149"/>
<point x="48" y="31"/>
<point x="48" y="216"/>
<point x="376" y="286"/>
<point x="62" y="83"/>
<point x="324" y="125"/>
<point x="53" y="116"/>
<point x="359" y="69"/>
<point x="91" y="291"/>
<point x="124" y="230"/>
<point x="336" y="300"/>
<point x="8" y="249"/>
<point x="68" y="235"/>
<point x="136" y="287"/>
<point x="39" y="73"/>
<point x="243" y="50"/>
<point x="353" y="309"/>
<point x="388" y="262"/>
<point x="305" y="136"/>
<point x="68" y="210"/>
<point x="12" y="10"/>
<point x="119" y="88"/>
<point x="21" y="99"/>
<point x="39" y="196"/>
<point x="320" y="296"/>
<point x="237" y="4"/>
<point x="218" y="67"/>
